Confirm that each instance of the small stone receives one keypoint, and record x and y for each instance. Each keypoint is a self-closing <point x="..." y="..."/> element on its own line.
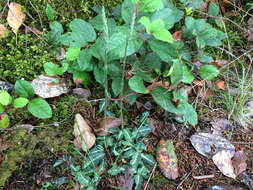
<point x="81" y="92"/>
<point x="6" y="86"/>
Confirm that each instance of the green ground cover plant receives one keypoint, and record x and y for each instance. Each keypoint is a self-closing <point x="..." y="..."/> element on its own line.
<point x="144" y="40"/>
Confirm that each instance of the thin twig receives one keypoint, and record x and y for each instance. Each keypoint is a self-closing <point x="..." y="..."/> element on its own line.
<point x="3" y="10"/>
<point x="203" y="177"/>
<point x="110" y="99"/>
<point x="153" y="170"/>
<point x="186" y="176"/>
<point x="37" y="13"/>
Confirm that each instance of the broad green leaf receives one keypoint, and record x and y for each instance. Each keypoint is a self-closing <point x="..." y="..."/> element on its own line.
<point x="127" y="11"/>
<point x="177" y="72"/>
<point x="168" y="15"/>
<point x="127" y="134"/>
<point x="38" y="107"/>
<point x="82" y="77"/>
<point x="188" y="77"/>
<point x="1" y="108"/>
<point x="194" y="4"/>
<point x="213" y="9"/>
<point x="63" y="69"/>
<point x="208" y="72"/>
<point x="82" y="178"/>
<point x="114" y="170"/>
<point x="72" y="53"/>
<point x="144" y="130"/>
<point x="146" y="23"/>
<point x="127" y="90"/>
<point x="165" y="50"/>
<point x="148" y="158"/>
<point x="24" y="89"/>
<point x="164" y="35"/>
<point x="138" y="179"/>
<point x="163" y="98"/>
<point x="82" y="32"/>
<point x="53" y="37"/>
<point x="137" y="85"/>
<point x="96" y="23"/>
<point x="116" y="86"/>
<point x="84" y="60"/>
<point x="204" y="58"/>
<point x="117" y="44"/>
<point x="99" y="74"/>
<point x="150" y="5"/>
<point x="50" y="13"/>
<point x="20" y="102"/>
<point x="4" y="120"/>
<point x="51" y="68"/>
<point x="135" y="160"/>
<point x="5" y="98"/>
<point x="188" y="112"/>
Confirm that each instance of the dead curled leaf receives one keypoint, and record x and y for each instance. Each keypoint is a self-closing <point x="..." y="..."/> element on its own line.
<point x="219" y="125"/>
<point x="167" y="159"/>
<point x="239" y="162"/>
<point x="204" y="93"/>
<point x="45" y="87"/>
<point x="15" y="16"/>
<point x="84" y="137"/>
<point x="220" y="85"/>
<point x="223" y="161"/>
<point x="103" y="127"/>
<point x="3" y="31"/>
<point x="209" y="144"/>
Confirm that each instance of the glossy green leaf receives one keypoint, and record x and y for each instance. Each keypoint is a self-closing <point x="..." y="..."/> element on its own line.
<point x="188" y="77"/>
<point x="4" y="120"/>
<point x="164" y="35"/>
<point x="146" y="23"/>
<point x="114" y="170"/>
<point x="99" y="74"/>
<point x="96" y="23"/>
<point x="144" y="130"/>
<point x="24" y="89"/>
<point x="84" y="60"/>
<point x="20" y="102"/>
<point x="51" y="68"/>
<point x="135" y="160"/>
<point x="194" y="4"/>
<point x="72" y="53"/>
<point x="127" y="10"/>
<point x="148" y="158"/>
<point x="1" y="108"/>
<point x="82" y="178"/>
<point x="50" y="13"/>
<point x="150" y="5"/>
<point x="204" y="58"/>
<point x="188" y="112"/>
<point x="138" y="179"/>
<point x="38" y="107"/>
<point x="213" y="9"/>
<point x="82" y="77"/>
<point x="5" y="98"/>
<point x="82" y="32"/>
<point x="116" y="86"/>
<point x="137" y="85"/>
<point x="208" y="72"/>
<point x="163" y="98"/>
<point x="177" y="72"/>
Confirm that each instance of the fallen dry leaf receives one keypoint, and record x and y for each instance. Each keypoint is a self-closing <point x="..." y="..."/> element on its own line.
<point x="250" y="29"/>
<point x="126" y="181"/>
<point x="208" y="144"/>
<point x="81" y="92"/>
<point x="239" y="162"/>
<point x="3" y="31"/>
<point x="178" y="35"/>
<point x="103" y="127"/>
<point x="167" y="159"/>
<point x="220" y="85"/>
<point x="15" y="16"/>
<point x="219" y="125"/>
<point x="222" y="62"/>
<point x="198" y="83"/>
<point x="45" y="86"/>
<point x="84" y="137"/>
<point x="223" y="162"/>
<point x="204" y="93"/>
